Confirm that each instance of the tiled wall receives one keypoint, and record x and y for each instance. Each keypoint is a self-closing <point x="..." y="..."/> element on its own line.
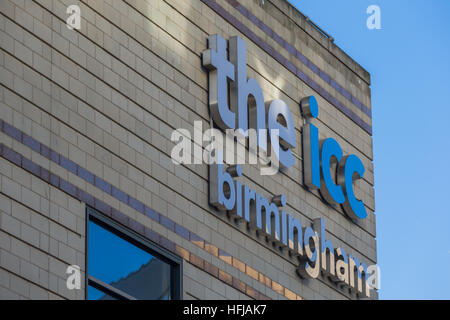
<point x="87" y="117"/>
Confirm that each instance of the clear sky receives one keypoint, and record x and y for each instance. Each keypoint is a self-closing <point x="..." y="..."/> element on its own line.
<point x="409" y="62"/>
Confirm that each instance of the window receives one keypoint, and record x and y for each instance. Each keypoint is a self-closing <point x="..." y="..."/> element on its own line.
<point x="123" y="265"/>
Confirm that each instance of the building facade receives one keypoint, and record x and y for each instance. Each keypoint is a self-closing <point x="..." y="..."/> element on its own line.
<point x="92" y="203"/>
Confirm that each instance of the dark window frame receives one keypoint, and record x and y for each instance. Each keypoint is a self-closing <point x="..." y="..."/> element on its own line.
<point x="139" y="241"/>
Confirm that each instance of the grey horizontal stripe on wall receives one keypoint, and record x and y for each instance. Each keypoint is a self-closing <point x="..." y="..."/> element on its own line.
<point x="87" y="176"/>
<point x="289" y="65"/>
<point x="299" y="56"/>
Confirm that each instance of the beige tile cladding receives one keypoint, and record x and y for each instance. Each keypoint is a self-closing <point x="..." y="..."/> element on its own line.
<point x="108" y="97"/>
<point x="42" y="232"/>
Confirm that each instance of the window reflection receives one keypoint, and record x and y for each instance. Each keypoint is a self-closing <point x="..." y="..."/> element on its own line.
<point x="95" y="294"/>
<point x="126" y="267"/>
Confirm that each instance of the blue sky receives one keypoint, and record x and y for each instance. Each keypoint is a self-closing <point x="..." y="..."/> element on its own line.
<point x="409" y="62"/>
